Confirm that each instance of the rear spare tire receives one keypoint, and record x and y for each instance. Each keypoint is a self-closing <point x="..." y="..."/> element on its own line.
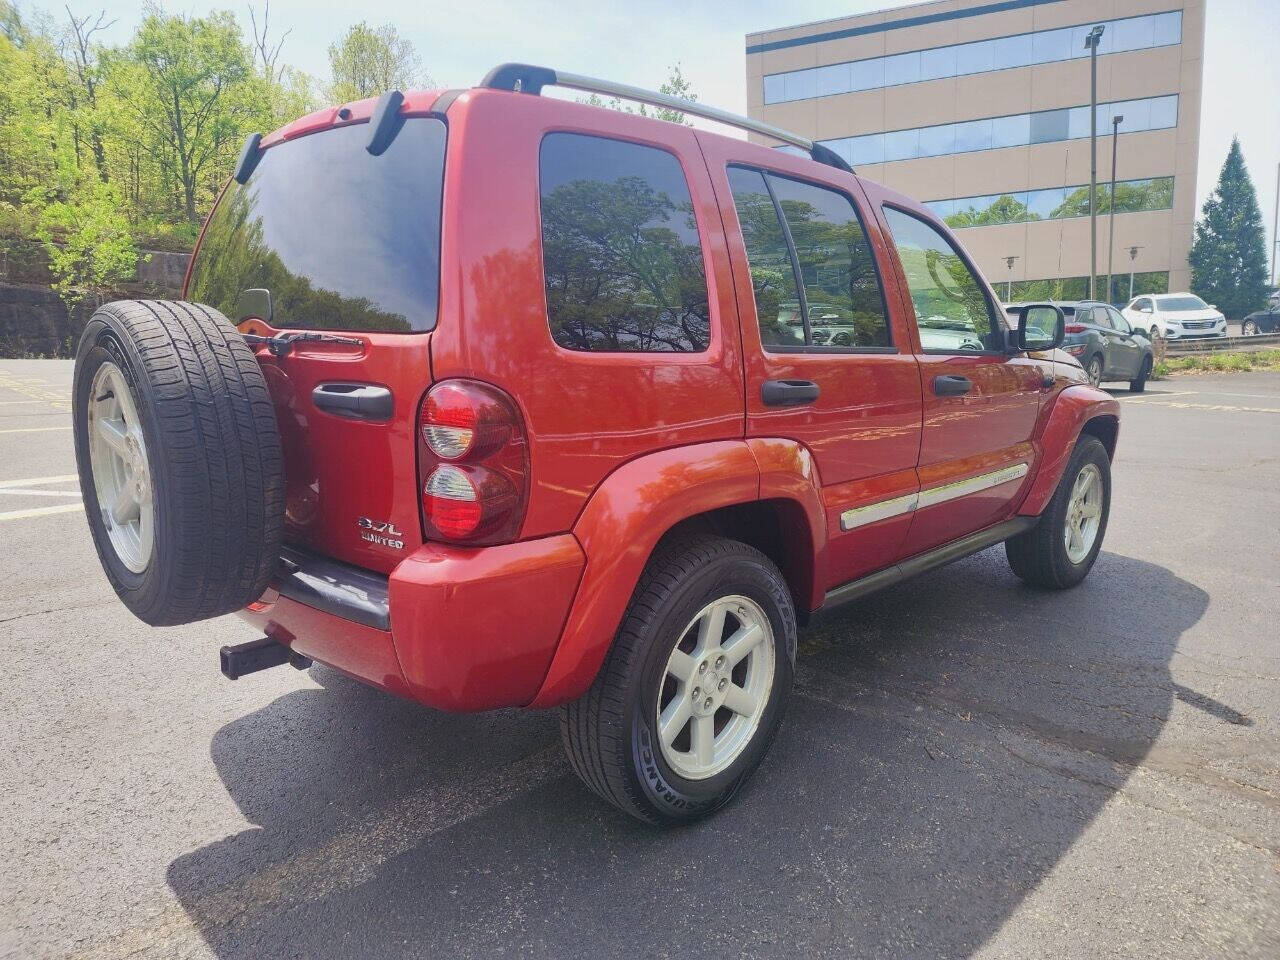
<point x="179" y="459"/>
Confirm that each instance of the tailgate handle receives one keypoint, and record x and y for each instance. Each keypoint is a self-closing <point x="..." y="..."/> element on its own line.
<point x="355" y="401"/>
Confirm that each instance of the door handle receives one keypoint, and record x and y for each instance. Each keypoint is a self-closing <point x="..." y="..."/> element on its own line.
<point x="788" y="393"/>
<point x="355" y="401"/>
<point x="951" y="386"/>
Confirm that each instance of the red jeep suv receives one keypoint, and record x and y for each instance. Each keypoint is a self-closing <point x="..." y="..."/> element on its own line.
<point x="491" y="399"/>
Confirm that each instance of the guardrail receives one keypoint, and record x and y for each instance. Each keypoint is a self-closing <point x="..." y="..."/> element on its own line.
<point x="1191" y="348"/>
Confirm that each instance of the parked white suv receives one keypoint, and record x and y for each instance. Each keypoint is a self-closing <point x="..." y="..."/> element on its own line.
<point x="1176" y="316"/>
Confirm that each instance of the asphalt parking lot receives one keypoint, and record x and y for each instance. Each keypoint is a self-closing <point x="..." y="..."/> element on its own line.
<point x="970" y="768"/>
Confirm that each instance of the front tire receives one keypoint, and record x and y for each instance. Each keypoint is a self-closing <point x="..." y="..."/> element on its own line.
<point x="1140" y="384"/>
<point x="1060" y="550"/>
<point x="711" y="617"/>
<point x="1249" y="328"/>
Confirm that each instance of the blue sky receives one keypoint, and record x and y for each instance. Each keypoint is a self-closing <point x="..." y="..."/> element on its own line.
<point x="635" y="42"/>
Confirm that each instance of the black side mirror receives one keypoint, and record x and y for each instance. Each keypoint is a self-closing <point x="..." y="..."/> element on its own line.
<point x="255" y="303"/>
<point x="1041" y="326"/>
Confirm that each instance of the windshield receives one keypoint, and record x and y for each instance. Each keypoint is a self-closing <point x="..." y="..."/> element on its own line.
<point x="1184" y="302"/>
<point x="343" y="240"/>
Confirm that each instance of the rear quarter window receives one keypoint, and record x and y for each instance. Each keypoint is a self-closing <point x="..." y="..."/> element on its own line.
<point x="620" y="248"/>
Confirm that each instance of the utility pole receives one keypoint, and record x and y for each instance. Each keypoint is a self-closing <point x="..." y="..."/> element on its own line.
<point x="1008" y="284"/>
<point x="1133" y="255"/>
<point x="1091" y="44"/>
<point x="1275" y="230"/>
<point x="1111" y="202"/>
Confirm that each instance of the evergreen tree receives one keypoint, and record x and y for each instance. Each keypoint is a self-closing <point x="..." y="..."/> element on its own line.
<point x="1229" y="255"/>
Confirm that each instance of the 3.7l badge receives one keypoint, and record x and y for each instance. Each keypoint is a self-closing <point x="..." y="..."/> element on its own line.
<point x="382" y="533"/>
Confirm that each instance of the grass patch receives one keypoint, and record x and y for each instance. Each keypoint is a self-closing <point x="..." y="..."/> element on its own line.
<point x="1218" y="363"/>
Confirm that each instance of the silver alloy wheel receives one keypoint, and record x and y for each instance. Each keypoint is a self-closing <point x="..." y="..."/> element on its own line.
<point x="1095" y="371"/>
<point x="1249" y="328"/>
<point x="121" y="473"/>
<point x="1084" y="513"/>
<point x="715" y="687"/>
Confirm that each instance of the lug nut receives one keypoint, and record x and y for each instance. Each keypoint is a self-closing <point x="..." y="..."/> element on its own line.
<point x="724" y="682"/>
<point x="697" y="692"/>
<point x="719" y="661"/>
<point x="702" y="667"/>
<point x="707" y="704"/>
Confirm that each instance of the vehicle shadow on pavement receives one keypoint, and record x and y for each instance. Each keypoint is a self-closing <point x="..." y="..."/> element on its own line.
<point x="948" y="742"/>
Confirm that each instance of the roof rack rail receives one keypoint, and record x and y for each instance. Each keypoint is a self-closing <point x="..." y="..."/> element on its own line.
<point x="526" y="78"/>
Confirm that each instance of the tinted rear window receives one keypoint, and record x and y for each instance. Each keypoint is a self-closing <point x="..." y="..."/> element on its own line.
<point x="343" y="240"/>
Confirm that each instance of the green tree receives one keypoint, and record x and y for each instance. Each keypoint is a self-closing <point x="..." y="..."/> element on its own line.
<point x="87" y="239"/>
<point x="367" y="62"/>
<point x="1229" y="255"/>
<point x="190" y="84"/>
<point x="675" y="85"/>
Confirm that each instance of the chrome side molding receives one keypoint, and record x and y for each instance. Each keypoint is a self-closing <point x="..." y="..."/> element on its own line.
<point x="885" y="509"/>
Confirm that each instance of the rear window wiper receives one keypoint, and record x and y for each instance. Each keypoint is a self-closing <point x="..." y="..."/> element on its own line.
<point x="282" y="343"/>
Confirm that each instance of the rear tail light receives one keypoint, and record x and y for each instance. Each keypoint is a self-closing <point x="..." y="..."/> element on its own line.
<point x="1076" y="349"/>
<point x="1076" y="328"/>
<point x="474" y="465"/>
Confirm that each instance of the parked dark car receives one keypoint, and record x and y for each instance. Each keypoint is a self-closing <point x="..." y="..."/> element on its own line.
<point x="1262" y="321"/>
<point x="1107" y="347"/>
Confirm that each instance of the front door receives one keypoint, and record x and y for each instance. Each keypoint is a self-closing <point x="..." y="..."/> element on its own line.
<point x="828" y="363"/>
<point x="980" y="401"/>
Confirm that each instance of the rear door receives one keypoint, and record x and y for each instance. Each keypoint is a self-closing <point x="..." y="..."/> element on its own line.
<point x="981" y="402"/>
<point x="347" y="243"/>
<point x="837" y="374"/>
<point x="1126" y="353"/>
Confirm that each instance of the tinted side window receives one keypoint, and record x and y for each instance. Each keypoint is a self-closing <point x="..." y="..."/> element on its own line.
<point x="1102" y="318"/>
<point x="620" y="248"/>
<point x="772" y="278"/>
<point x="838" y="302"/>
<point x="842" y="290"/>
<point x="952" y="311"/>
<point x="1118" y="321"/>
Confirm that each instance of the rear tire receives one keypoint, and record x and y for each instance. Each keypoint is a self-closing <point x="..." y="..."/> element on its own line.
<point x="203" y="438"/>
<point x="1249" y="328"/>
<point x="614" y="733"/>
<point x="1140" y="384"/>
<point x="1094" y="370"/>
<point x="1042" y="556"/>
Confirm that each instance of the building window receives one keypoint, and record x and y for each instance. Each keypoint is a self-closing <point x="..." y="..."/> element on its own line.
<point x="1053" y="203"/>
<point x="620" y="248"/>
<point x="993" y="133"/>
<point x="983" y="56"/>
<point x="794" y="228"/>
<point x="1077" y="288"/>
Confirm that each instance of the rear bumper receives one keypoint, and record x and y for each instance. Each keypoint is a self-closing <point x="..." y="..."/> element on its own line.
<point x="454" y="628"/>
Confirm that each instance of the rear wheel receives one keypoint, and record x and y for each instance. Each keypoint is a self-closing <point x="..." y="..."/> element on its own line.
<point x="179" y="459"/>
<point x="1094" y="369"/>
<point x="1249" y="328"/>
<point x="1155" y="332"/>
<point x="1060" y="550"/>
<point x="1139" y="384"/>
<point x="695" y="685"/>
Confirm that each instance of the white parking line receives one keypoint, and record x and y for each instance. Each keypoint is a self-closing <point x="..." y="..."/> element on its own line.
<point x="38" y="481"/>
<point x="40" y="511"/>
<point x="10" y="403"/>
<point x="35" y="429"/>
<point x="23" y="492"/>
